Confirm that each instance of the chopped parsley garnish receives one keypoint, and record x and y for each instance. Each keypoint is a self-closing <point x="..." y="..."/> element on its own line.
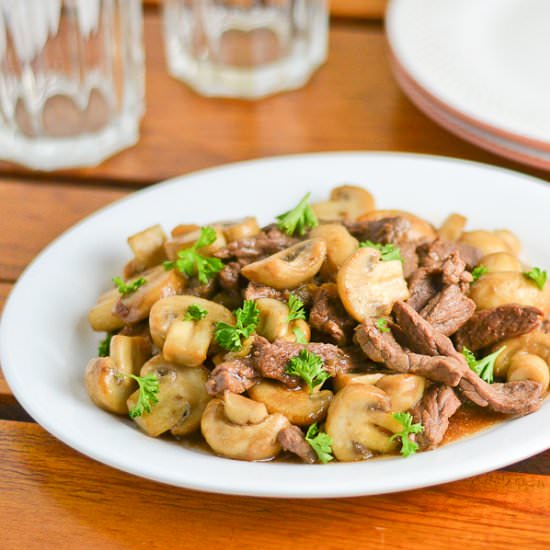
<point x="537" y="275"/>
<point x="309" y="367"/>
<point x="388" y="252"/>
<point x="104" y="347"/>
<point x="320" y="442"/>
<point x="408" y="446"/>
<point x="299" y="219"/>
<point x="483" y="367"/>
<point x="191" y="263"/>
<point x="295" y="308"/>
<point x="300" y="336"/>
<point x="230" y="337"/>
<point x="148" y="390"/>
<point x="195" y="312"/>
<point x="127" y="288"/>
<point x="478" y="271"/>
<point x="382" y="325"/>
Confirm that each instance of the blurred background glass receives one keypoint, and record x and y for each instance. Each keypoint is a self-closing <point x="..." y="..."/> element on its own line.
<point x="245" y="48"/>
<point x="71" y="80"/>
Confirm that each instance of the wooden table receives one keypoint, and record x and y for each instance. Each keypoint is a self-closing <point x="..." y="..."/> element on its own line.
<point x="51" y="496"/>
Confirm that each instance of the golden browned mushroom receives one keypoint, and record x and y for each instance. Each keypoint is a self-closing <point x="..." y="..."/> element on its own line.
<point x="359" y="423"/>
<point x="419" y="230"/>
<point x="148" y="249"/>
<point x="106" y="378"/>
<point x="346" y="202"/>
<point x="507" y="287"/>
<point x="342" y="379"/>
<point x="242" y="229"/>
<point x="102" y="317"/>
<point x="298" y="405"/>
<point x="511" y="240"/>
<point x="182" y="398"/>
<point x="290" y="267"/>
<point x="241" y="410"/>
<point x="242" y="442"/>
<point x="340" y="246"/>
<point x="274" y="324"/>
<point x="404" y="390"/>
<point x="452" y="227"/>
<point x="369" y="287"/>
<point x="488" y="242"/>
<point x="185" y="342"/>
<point x="501" y="261"/>
<point x="186" y="239"/>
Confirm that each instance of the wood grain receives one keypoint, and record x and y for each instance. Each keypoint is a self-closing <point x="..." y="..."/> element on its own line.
<point x="83" y="504"/>
<point x="352" y="102"/>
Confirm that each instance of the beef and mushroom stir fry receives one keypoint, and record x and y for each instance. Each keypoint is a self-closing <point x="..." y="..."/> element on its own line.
<point x="338" y="332"/>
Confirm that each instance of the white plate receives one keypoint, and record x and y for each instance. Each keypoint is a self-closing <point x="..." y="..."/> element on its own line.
<point x="45" y="341"/>
<point x="486" y="59"/>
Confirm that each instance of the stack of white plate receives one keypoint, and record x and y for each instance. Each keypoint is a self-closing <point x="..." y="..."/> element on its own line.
<point x="480" y="68"/>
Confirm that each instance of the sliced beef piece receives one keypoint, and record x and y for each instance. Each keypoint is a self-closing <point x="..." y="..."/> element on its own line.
<point x="489" y="326"/>
<point x="292" y="439"/>
<point x="269" y="241"/>
<point x="434" y="410"/>
<point x="306" y="292"/>
<point x="435" y="253"/>
<point x="202" y="290"/>
<point x="236" y="376"/>
<point x="410" y="258"/>
<point x="386" y="230"/>
<point x="382" y="347"/>
<point x="230" y="276"/>
<point x="271" y="359"/>
<point x="448" y="310"/>
<point x="423" y="286"/>
<point x="517" y="398"/>
<point x="329" y="316"/>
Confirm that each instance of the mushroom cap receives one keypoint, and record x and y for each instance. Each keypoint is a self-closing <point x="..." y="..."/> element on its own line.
<point x="346" y="202"/>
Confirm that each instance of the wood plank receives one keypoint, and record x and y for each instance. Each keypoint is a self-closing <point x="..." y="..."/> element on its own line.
<point x="83" y="504"/>
<point x="352" y="103"/>
<point x="5" y="392"/>
<point x="32" y="215"/>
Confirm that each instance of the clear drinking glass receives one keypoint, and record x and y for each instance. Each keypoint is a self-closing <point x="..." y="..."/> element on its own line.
<point x="245" y="48"/>
<point x="71" y="80"/>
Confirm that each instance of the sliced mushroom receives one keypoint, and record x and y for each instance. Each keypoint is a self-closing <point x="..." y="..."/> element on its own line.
<point x="342" y="379"/>
<point x="369" y="287"/>
<point x="346" y="202"/>
<point x="250" y="442"/>
<point x="184" y="228"/>
<point x="182" y="398"/>
<point x="420" y="229"/>
<point x="241" y="410"/>
<point x="340" y="246"/>
<point x="159" y="284"/>
<point x="511" y="240"/>
<point x="501" y="261"/>
<point x="102" y="317"/>
<point x="298" y="405"/>
<point x="290" y="267"/>
<point x="507" y="287"/>
<point x="185" y="342"/>
<point x="148" y="249"/>
<point x="359" y="423"/>
<point x="488" y="242"/>
<point x="518" y="358"/>
<point x="105" y="379"/>
<point x="404" y="390"/>
<point x="273" y="323"/>
<point x="298" y="326"/>
<point x="242" y="229"/>
<point x="183" y="240"/>
<point x="452" y="227"/>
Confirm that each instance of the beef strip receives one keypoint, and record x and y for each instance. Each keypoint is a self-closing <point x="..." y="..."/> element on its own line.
<point x="250" y="249"/>
<point x="518" y="397"/>
<point x="292" y="439"/>
<point x="385" y="230"/>
<point x="489" y="326"/>
<point x="202" y="290"/>
<point x="436" y="252"/>
<point x="329" y="316"/>
<point x="236" y="376"/>
<point x="410" y="258"/>
<point x="271" y="359"/>
<point x="305" y="292"/>
<point x="434" y="410"/>
<point x="448" y="310"/>
<point x="230" y="276"/>
<point x="423" y="286"/>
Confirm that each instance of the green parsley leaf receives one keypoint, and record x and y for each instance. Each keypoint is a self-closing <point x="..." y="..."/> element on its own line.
<point x="320" y="442"/>
<point x="478" y="271"/>
<point x="195" y="312"/>
<point x="483" y="367"/>
<point x="408" y="446"/>
<point x="309" y="367"/>
<point x="104" y="347"/>
<point x="148" y="390"/>
<point x="388" y="252"/>
<point x="538" y="276"/>
<point x="299" y="219"/>
<point x="127" y="288"/>
<point x="295" y="308"/>
<point x="247" y="318"/>
<point x="191" y="263"/>
<point x="300" y="336"/>
<point x="382" y="325"/>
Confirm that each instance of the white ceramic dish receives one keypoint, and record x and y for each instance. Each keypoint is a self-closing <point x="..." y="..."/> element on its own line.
<point x="45" y="341"/>
<point x="484" y="59"/>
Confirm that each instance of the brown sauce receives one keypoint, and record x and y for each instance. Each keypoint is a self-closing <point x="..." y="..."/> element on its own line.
<point x="469" y="420"/>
